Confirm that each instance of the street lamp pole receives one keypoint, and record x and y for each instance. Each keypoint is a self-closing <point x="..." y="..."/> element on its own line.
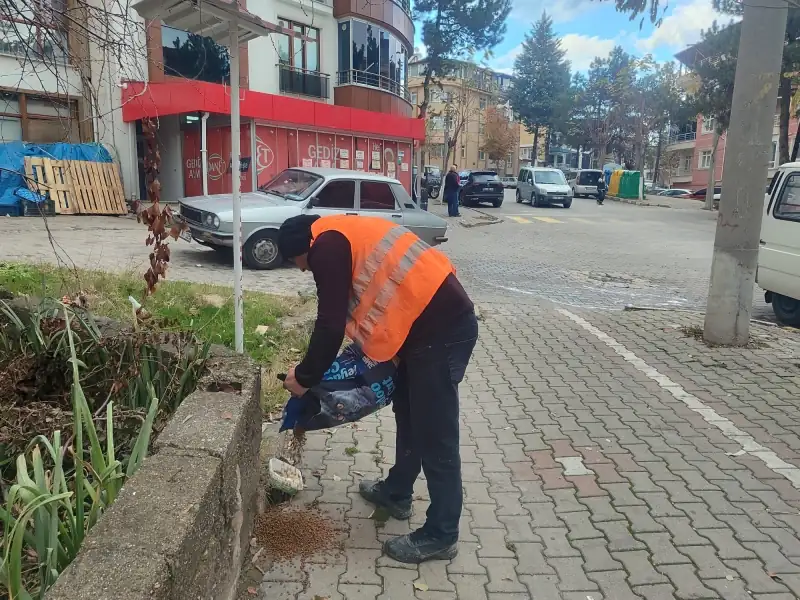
<point x="236" y="181"/>
<point x="755" y="92"/>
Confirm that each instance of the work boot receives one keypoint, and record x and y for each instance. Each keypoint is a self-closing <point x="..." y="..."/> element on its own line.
<point x="419" y="546"/>
<point x="375" y="493"/>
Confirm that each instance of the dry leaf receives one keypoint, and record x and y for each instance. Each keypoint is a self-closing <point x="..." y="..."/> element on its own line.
<point x="420" y="585"/>
<point x="228" y="416"/>
<point x="252" y="591"/>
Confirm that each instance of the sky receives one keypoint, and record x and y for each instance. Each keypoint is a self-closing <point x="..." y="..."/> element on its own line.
<point x="590" y="28"/>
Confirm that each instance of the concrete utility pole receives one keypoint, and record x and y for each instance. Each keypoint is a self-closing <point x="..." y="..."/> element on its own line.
<point x="755" y="93"/>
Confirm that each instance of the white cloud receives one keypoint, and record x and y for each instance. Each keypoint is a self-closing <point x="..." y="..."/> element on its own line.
<point x="582" y="49"/>
<point x="682" y="27"/>
<point x="505" y="62"/>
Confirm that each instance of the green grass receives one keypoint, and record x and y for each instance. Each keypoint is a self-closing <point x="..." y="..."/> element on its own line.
<point x="205" y="310"/>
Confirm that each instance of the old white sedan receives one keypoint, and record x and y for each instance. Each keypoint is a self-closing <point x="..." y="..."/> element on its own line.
<point x="297" y="191"/>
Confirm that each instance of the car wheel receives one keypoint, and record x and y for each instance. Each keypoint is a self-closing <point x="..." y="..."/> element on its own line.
<point x="433" y="193"/>
<point x="497" y="203"/>
<point x="519" y="197"/>
<point x="786" y="309"/>
<point x="568" y="203"/>
<point x="261" y="251"/>
<point x="535" y="200"/>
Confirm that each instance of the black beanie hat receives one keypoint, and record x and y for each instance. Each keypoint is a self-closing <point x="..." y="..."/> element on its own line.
<point x="294" y="236"/>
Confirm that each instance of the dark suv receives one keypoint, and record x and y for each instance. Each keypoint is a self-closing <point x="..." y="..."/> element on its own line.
<point x="482" y="186"/>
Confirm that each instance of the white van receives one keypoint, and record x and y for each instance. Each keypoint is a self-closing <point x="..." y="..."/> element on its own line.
<point x="542" y="187"/>
<point x="779" y="258"/>
<point x="584" y="182"/>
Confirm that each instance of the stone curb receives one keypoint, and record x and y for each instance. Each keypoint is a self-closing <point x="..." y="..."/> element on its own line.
<point x="484" y="219"/>
<point x="637" y="202"/>
<point x="181" y="526"/>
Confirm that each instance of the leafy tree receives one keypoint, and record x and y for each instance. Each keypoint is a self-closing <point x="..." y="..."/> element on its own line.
<point x="668" y="104"/>
<point x="454" y="29"/>
<point x="500" y="136"/>
<point x="542" y="76"/>
<point x="716" y="72"/>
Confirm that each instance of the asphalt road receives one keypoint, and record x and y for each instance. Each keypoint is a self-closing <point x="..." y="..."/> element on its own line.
<point x="588" y="256"/>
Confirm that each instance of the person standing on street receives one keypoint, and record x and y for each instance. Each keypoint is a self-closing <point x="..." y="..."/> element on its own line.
<point x="396" y="297"/>
<point x="452" y="186"/>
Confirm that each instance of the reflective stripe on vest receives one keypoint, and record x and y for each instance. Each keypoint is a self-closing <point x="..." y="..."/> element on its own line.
<point x="396" y="277"/>
<point x="362" y="280"/>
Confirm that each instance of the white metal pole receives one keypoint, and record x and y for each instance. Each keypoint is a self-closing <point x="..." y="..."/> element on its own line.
<point x="204" y="151"/>
<point x="238" y="308"/>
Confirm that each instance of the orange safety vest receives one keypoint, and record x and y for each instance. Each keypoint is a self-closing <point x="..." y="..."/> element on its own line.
<point x="395" y="275"/>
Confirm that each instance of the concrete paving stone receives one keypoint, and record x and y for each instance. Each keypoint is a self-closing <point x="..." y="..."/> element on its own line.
<point x="621" y="494"/>
<point x="758" y="580"/>
<point x="562" y="448"/>
<point x="493" y="543"/>
<point x="531" y="492"/>
<point x="792" y="581"/>
<point x="501" y="483"/>
<point x="659" y="505"/>
<point x="556" y="542"/>
<point x="480" y="430"/>
<point x="683" y="534"/>
<point x="543" y="515"/>
<point x="466" y="562"/>
<point x="640" y="519"/>
<point x="789" y="543"/>
<point x="477" y="493"/>
<point x="571" y="575"/>
<point x="322" y="580"/>
<point x="619" y="536"/>
<point x="518" y="529"/>
<point x="522" y="470"/>
<point x="679" y="493"/>
<point x="494" y="463"/>
<point x="363" y="533"/>
<point x="530" y="559"/>
<point x="509" y="504"/>
<point x="687" y="585"/>
<point x="641" y="482"/>
<point x="487" y="446"/>
<point x="434" y="574"/>
<point x="398" y="583"/>
<point x="640" y="569"/>
<point x="532" y="442"/>
<point x="290" y="570"/>
<point x="601" y="509"/>
<point x="541" y="587"/>
<point x="335" y="492"/>
<point x="470" y="587"/>
<point x="385" y="561"/>
<point x="359" y="592"/>
<point x="592" y="456"/>
<point x="773" y="558"/>
<point x="513" y="452"/>
<point x="580" y="526"/>
<point x="662" y="591"/>
<point x="280" y="590"/>
<point x="700" y="516"/>
<point x="586" y="485"/>
<point x="614" y="585"/>
<point x="566" y="501"/>
<point x="661" y="548"/>
<point x="596" y="555"/>
<point x="707" y="563"/>
<point x="727" y="547"/>
<point x="502" y="576"/>
<point x="485" y="516"/>
<point x="543" y="460"/>
<point x="361" y="568"/>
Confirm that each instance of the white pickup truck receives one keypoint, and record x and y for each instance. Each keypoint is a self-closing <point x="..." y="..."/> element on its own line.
<point x="779" y="257"/>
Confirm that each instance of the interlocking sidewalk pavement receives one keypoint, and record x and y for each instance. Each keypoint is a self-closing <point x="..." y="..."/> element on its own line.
<point x="605" y="456"/>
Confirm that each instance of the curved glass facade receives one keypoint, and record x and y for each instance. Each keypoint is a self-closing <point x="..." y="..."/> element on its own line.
<point x="373" y="56"/>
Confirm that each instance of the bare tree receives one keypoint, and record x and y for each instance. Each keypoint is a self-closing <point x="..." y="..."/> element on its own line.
<point x="500" y="137"/>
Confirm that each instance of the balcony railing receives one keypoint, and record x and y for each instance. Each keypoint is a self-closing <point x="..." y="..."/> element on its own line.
<point x="682" y="137"/>
<point x="373" y="80"/>
<point x="294" y="80"/>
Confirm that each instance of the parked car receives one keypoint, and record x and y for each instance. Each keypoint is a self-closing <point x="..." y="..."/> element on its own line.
<point x="543" y="187"/>
<point x="433" y="175"/>
<point x="510" y="182"/>
<point x="584" y="182"/>
<point x="463" y="176"/>
<point x="778" y="272"/>
<point x="674" y="192"/>
<point x="482" y="186"/>
<point x="303" y="191"/>
<point x="701" y="194"/>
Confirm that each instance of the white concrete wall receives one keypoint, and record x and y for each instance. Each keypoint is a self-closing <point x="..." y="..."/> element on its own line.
<point x="170" y="141"/>
<point x="27" y="74"/>
<point x="262" y="52"/>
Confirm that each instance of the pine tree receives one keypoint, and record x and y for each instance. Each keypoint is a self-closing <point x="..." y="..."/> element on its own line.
<point x="541" y="82"/>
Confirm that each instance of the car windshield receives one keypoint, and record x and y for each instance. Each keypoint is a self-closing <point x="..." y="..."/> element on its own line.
<point x="484" y="177"/>
<point x="293" y="184"/>
<point x="435" y="171"/>
<point x="589" y="177"/>
<point x="551" y="177"/>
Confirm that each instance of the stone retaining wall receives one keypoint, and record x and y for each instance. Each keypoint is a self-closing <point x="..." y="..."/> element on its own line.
<point x="180" y="527"/>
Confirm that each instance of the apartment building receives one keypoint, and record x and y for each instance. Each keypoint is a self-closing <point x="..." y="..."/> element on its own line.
<point x="329" y="89"/>
<point x="458" y="109"/>
<point x="687" y="155"/>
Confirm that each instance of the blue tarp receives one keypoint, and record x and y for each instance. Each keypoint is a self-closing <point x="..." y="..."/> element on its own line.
<point x="12" y="165"/>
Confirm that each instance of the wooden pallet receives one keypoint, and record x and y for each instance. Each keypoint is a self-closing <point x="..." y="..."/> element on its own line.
<point x="78" y="186"/>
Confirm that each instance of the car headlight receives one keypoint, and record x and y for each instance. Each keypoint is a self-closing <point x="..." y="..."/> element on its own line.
<point x="212" y="220"/>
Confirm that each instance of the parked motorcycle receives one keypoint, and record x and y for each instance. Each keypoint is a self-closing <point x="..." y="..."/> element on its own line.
<point x="601" y="192"/>
<point x="433" y="191"/>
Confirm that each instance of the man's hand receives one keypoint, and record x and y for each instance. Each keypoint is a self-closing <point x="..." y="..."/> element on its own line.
<point x="291" y="384"/>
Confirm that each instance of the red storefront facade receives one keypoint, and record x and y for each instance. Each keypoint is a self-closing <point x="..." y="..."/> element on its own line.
<point x="282" y="132"/>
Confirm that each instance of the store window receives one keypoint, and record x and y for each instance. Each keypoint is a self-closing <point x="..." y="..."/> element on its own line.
<point x="37" y="119"/>
<point x="193" y="56"/>
<point x="376" y="57"/>
<point x="36" y="29"/>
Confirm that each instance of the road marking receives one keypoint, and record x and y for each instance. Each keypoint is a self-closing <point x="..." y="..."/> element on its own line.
<point x="547" y="220"/>
<point x="579" y="220"/>
<point x="519" y="219"/>
<point x="748" y="444"/>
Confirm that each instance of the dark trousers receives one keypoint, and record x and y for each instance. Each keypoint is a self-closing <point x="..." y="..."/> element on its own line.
<point x="427" y="413"/>
<point x="451" y="197"/>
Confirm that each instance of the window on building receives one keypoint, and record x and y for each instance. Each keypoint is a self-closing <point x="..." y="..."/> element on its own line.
<point x="463" y="151"/>
<point x="705" y="160"/>
<point x="414" y="98"/>
<point x="788" y="206"/>
<point x="376" y="58"/>
<point x="709" y="124"/>
<point x="438" y="123"/>
<point x="376" y="195"/>
<point x="773" y="155"/>
<point x="194" y="57"/>
<point x="481" y="155"/>
<point x="686" y="163"/>
<point x="37" y="119"/>
<point x="296" y="52"/>
<point x="338" y="195"/>
<point x="482" y="103"/>
<point x="34" y="29"/>
<point x="481" y="128"/>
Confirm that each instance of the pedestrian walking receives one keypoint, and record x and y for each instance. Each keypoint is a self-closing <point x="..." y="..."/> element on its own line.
<point x="396" y="297"/>
<point x="452" y="186"/>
